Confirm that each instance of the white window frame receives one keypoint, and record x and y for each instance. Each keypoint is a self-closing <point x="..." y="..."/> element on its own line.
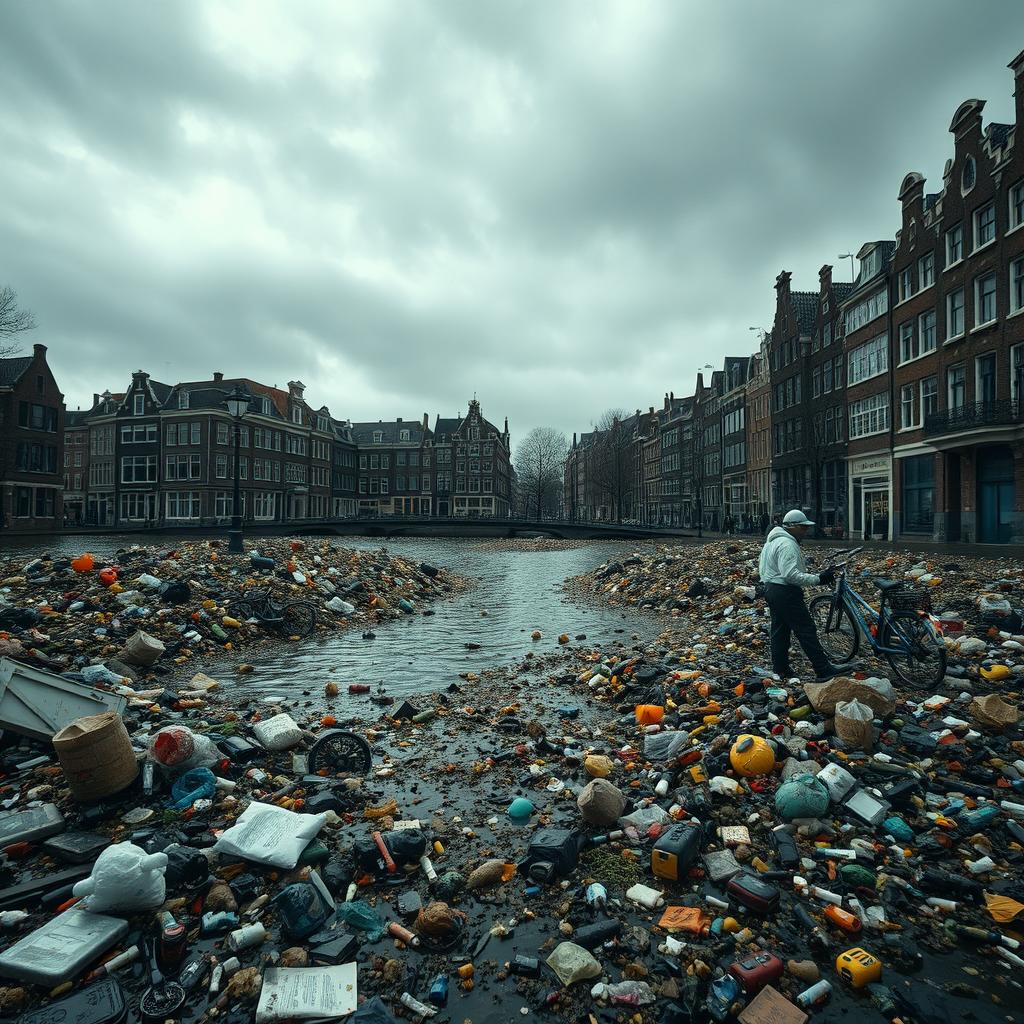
<point x="933" y="395"/>
<point x="870" y="408"/>
<point x="976" y="227"/>
<point x="1016" y="370"/>
<point x="994" y="357"/>
<point x="138" y="404"/>
<point x="949" y="385"/>
<point x="907" y="394"/>
<point x="906" y="283"/>
<point x="925" y="273"/>
<point x="1016" y="272"/>
<point x="182" y="399"/>
<point x="1015" y="214"/>
<point x="951" y="262"/>
<point x="909" y="348"/>
<point x="993" y="277"/>
<point x="963" y="314"/>
<point x="177" y="499"/>
<point x="378" y="437"/>
<point x="871" y="359"/>
<point x="921" y="350"/>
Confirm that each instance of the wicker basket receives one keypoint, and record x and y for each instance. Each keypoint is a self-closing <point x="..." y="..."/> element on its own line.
<point x="910" y="601"/>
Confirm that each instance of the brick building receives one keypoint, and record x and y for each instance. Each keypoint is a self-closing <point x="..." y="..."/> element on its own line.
<point x="735" y="374"/>
<point x="76" y="465"/>
<point x="31" y="445"/>
<point x="759" y="434"/>
<point x="789" y="347"/>
<point x="866" y="348"/>
<point x="825" y="408"/>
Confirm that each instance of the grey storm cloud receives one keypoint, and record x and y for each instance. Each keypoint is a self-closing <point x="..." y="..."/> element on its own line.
<point x="560" y="207"/>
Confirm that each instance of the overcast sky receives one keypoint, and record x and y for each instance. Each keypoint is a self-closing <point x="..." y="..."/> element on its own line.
<point x="560" y="206"/>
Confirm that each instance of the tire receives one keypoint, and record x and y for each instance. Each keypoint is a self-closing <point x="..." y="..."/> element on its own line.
<point x="298" y="619"/>
<point x="925" y="666"/>
<point x="339" y="752"/>
<point x="841" y="640"/>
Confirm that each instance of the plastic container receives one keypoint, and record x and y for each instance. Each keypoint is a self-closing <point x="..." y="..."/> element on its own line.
<point x="177" y="746"/>
<point x="142" y="649"/>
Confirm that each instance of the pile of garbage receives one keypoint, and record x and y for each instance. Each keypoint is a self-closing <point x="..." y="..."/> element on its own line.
<point x="663" y="833"/>
<point x="716" y="583"/>
<point x="149" y="609"/>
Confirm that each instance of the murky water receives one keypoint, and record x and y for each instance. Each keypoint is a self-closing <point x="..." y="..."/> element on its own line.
<point x="520" y="590"/>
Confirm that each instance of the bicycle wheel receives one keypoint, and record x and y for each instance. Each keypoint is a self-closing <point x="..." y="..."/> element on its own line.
<point x="837" y="632"/>
<point x="298" y="619"/>
<point x="922" y="658"/>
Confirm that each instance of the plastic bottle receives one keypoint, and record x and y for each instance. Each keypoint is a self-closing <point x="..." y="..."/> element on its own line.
<point x="817" y="994"/>
<point x="417" y="1007"/>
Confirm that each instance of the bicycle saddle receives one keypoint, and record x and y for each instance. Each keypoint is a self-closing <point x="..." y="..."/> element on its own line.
<point x="886" y="585"/>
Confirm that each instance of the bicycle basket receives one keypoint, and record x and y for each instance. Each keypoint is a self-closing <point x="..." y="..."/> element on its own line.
<point x="910" y="601"/>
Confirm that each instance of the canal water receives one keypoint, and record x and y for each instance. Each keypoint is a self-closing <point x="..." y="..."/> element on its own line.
<point x="520" y="590"/>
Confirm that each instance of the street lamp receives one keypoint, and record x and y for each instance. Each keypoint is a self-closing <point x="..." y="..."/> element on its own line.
<point x="238" y="404"/>
<point x="849" y="256"/>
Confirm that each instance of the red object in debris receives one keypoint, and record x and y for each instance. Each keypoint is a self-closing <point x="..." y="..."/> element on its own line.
<point x="358" y="687"/>
<point x="108" y="575"/>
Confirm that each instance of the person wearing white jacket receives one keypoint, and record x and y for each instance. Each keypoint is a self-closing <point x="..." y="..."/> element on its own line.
<point x="784" y="574"/>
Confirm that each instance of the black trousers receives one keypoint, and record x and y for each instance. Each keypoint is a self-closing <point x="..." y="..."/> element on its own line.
<point x="790" y="616"/>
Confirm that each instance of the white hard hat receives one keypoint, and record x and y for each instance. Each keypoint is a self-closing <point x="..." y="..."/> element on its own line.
<point x="796" y="518"/>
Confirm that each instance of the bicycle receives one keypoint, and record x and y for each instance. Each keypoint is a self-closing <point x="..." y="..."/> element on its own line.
<point x="899" y="631"/>
<point x="295" y="618"/>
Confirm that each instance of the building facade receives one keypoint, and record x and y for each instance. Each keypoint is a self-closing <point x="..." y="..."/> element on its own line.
<point x="31" y="445"/>
<point x="866" y="349"/>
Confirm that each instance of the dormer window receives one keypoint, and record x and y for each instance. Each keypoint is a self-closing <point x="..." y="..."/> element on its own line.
<point x="321" y="424"/>
<point x="182" y="399"/>
<point x="403" y="435"/>
<point x="265" y="405"/>
<point x="297" y="414"/>
<point x="378" y="436"/>
<point x="870" y="265"/>
<point x="968" y="175"/>
<point x="138" y="404"/>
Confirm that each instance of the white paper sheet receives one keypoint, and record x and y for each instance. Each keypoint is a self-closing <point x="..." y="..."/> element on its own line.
<point x="306" y="993"/>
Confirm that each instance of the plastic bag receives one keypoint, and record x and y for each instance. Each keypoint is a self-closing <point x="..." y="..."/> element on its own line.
<point x="336" y="604"/>
<point x="278" y="733"/>
<point x="644" y="817"/>
<point x="195" y="784"/>
<point x="573" y="963"/>
<point x="663" y="746"/>
<point x="100" y="674"/>
<point x="178" y="747"/>
<point x="853" y="725"/>
<point x="363" y="918"/>
<point x="269" y="834"/>
<point x="125" y="879"/>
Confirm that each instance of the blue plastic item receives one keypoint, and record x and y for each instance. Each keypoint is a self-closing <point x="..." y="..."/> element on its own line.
<point x="802" y="797"/>
<point x="361" y="916"/>
<point x="195" y="784"/>
<point x="439" y="991"/>
<point x="980" y="817"/>
<point x="898" y="829"/>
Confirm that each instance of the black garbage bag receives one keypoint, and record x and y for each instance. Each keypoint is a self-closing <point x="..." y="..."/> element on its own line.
<point x="406" y="846"/>
<point x="175" y="592"/>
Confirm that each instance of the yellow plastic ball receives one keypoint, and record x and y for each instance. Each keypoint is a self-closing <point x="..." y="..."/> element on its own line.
<point x="730" y="925"/>
<point x="752" y="755"/>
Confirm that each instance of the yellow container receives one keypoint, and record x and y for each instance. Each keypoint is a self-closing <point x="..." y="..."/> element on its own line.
<point x="857" y="967"/>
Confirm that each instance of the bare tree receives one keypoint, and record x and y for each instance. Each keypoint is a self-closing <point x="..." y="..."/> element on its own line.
<point x="12" y="320"/>
<point x="613" y="461"/>
<point x="540" y="460"/>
